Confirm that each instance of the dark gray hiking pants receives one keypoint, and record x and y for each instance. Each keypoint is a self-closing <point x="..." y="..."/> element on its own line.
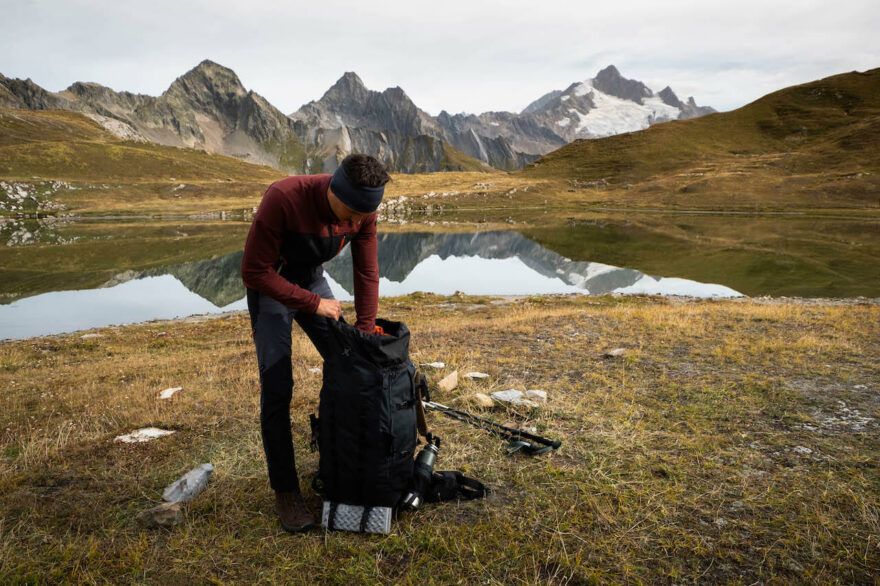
<point x="271" y="322"/>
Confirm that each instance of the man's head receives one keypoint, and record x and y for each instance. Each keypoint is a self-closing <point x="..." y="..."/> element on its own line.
<point x="357" y="186"/>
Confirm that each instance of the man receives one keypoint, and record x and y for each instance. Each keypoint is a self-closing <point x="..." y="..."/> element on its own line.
<point x="302" y="222"/>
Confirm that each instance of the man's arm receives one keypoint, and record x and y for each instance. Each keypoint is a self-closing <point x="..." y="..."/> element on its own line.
<point x="365" y="263"/>
<point x="261" y="252"/>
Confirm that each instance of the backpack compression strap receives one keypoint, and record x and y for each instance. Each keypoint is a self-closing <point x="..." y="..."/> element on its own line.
<point x="452" y="484"/>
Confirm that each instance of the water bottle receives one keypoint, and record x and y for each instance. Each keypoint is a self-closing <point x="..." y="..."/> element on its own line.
<point x="423" y="469"/>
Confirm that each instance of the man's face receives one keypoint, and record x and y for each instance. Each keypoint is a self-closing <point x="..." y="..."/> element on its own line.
<point x="342" y="211"/>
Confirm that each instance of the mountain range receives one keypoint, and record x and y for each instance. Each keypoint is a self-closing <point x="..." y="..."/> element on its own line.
<point x="208" y="108"/>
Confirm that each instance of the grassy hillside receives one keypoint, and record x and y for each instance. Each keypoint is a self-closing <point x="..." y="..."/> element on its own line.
<point x="812" y="145"/>
<point x="104" y="174"/>
<point x="66" y="158"/>
<point x="68" y="146"/>
<point x="736" y="442"/>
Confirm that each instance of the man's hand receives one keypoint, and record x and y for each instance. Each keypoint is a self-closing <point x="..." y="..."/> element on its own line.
<point x="329" y="308"/>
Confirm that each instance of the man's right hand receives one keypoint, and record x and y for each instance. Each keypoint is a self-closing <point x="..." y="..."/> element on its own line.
<point x="329" y="308"/>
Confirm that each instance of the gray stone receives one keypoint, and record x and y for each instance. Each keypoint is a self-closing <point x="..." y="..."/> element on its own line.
<point x="476" y="375"/>
<point x="188" y="486"/>
<point x="524" y="403"/>
<point x="537" y="395"/>
<point x="507" y="396"/>
<point x="616" y="353"/>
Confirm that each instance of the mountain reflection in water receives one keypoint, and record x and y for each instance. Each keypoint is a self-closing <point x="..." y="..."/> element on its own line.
<point x="484" y="263"/>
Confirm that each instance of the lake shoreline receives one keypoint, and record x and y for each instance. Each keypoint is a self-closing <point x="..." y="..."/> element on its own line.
<point x="500" y="300"/>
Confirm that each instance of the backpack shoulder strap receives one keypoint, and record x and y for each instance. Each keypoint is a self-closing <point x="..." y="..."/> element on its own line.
<point x="421" y="385"/>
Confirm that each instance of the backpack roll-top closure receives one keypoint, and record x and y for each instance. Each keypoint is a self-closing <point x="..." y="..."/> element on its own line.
<point x="384" y="351"/>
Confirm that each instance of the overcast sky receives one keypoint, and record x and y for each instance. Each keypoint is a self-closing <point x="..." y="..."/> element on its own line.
<point x="461" y="56"/>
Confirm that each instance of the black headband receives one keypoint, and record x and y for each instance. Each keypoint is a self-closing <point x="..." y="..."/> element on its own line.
<point x="361" y="198"/>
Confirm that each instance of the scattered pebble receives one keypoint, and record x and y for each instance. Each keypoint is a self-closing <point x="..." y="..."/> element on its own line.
<point x="90" y="336"/>
<point x="188" y="486"/>
<point x="449" y="382"/>
<point x="737" y="506"/>
<point x="142" y="435"/>
<point x="165" y="515"/>
<point x="433" y="365"/>
<point x="617" y="352"/>
<point x="722" y="522"/>
<point x="803" y="450"/>
<point x="514" y="397"/>
<point x="507" y="396"/>
<point x="537" y="395"/>
<point x="476" y="375"/>
<point x="482" y="400"/>
<point x="168" y="393"/>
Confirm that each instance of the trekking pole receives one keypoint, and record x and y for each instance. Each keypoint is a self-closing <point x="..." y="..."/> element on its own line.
<point x="519" y="440"/>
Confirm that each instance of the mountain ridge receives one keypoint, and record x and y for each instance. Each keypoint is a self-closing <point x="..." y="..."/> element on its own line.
<point x="209" y="108"/>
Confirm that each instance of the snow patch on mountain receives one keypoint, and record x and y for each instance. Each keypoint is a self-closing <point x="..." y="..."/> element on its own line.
<point x="613" y="115"/>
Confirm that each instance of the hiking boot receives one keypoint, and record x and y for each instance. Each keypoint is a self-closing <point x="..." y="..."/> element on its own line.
<point x="292" y="511"/>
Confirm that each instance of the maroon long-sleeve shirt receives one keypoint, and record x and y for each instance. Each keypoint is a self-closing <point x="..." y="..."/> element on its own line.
<point x="294" y="231"/>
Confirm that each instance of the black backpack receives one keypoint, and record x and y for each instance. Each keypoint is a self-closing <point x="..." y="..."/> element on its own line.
<point x="366" y="426"/>
<point x="367" y="430"/>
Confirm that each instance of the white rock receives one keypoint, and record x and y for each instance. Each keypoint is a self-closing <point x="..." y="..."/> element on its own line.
<point x="315" y="371"/>
<point x="142" y="435"/>
<point x="449" y="382"/>
<point x="432" y="365"/>
<point x="803" y="450"/>
<point x="476" y="375"/>
<point x="168" y="393"/>
<point x="524" y="403"/>
<point x="615" y="353"/>
<point x="188" y="486"/>
<point x="90" y="336"/>
<point x="537" y="395"/>
<point x="508" y="396"/>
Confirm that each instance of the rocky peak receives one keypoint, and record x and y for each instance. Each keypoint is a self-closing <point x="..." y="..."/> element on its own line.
<point x="207" y="81"/>
<point x="669" y="98"/>
<point x="611" y="82"/>
<point x="542" y="102"/>
<point x="347" y="87"/>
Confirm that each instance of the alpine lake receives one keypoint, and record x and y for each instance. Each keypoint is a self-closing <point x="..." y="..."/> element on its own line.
<point x="62" y="274"/>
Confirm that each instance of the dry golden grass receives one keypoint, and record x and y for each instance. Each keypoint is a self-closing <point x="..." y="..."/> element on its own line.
<point x="678" y="461"/>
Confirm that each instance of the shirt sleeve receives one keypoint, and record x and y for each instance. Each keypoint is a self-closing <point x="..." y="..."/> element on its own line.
<point x="261" y="256"/>
<point x="364" y="253"/>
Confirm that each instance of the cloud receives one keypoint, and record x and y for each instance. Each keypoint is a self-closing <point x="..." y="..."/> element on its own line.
<point x="458" y="55"/>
